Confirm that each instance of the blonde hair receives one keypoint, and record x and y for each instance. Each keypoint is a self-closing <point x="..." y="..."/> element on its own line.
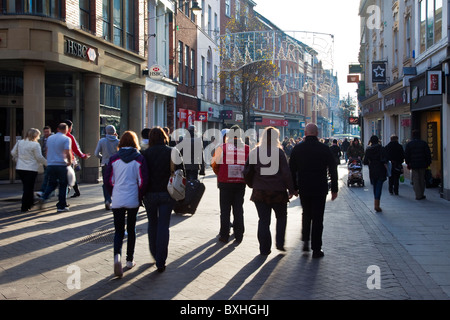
<point x="33" y="134"/>
<point x="270" y="134"/>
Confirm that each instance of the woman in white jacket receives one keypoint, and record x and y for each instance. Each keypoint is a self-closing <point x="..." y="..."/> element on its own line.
<point x="28" y="157"/>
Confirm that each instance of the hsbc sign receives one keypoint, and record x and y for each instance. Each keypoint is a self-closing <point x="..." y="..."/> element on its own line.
<point x="79" y="50"/>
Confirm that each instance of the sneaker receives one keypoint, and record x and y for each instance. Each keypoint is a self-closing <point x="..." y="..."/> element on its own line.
<point x="63" y="209"/>
<point x="130" y="264"/>
<point x="107" y="205"/>
<point x="41" y="203"/>
<point x="118" y="266"/>
<point x="39" y="194"/>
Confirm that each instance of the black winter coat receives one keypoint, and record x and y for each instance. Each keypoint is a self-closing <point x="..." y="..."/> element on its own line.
<point x="376" y="158"/>
<point x="395" y="154"/>
<point x="310" y="162"/>
<point x="158" y="163"/>
<point x="417" y="154"/>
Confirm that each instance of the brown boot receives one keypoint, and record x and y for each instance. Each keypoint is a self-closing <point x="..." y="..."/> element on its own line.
<point x="377" y="206"/>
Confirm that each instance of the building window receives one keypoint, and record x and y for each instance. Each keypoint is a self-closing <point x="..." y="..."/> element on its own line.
<point x="129" y="25"/>
<point x="209" y="21"/>
<point x="227" y="8"/>
<point x="106" y="17"/>
<point x="46" y="8"/>
<point x="110" y="96"/>
<point x="202" y="76"/>
<point x="408" y="37"/>
<point x="192" y="68"/>
<point x="186" y="65"/>
<point x="180" y="62"/>
<point x="396" y="48"/>
<point x="237" y="10"/>
<point x="216" y="79"/>
<point x="430" y="23"/>
<point x="119" y="21"/>
<point x="85" y="14"/>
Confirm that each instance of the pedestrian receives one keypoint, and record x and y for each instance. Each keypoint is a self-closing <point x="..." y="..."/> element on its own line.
<point x="126" y="180"/>
<point x="194" y="162"/>
<point x="75" y="152"/>
<point x="418" y="159"/>
<point x="157" y="200"/>
<point x="289" y="147"/>
<point x="336" y="151"/>
<point x="172" y="143"/>
<point x="310" y="164"/>
<point x="396" y="155"/>
<point x="106" y="148"/>
<point x="228" y="164"/>
<point x="376" y="158"/>
<point x="59" y="157"/>
<point x="28" y="157"/>
<point x="344" y="148"/>
<point x="144" y="141"/>
<point x="270" y="191"/>
<point x="47" y="132"/>
<point x="355" y="150"/>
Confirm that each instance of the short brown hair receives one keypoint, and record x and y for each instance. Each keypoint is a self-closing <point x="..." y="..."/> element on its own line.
<point x="157" y="135"/>
<point x="129" y="139"/>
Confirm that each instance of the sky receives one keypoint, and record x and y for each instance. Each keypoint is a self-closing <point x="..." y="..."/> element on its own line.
<point x="339" y="18"/>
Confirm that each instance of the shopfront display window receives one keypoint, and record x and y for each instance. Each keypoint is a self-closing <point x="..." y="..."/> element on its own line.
<point x="405" y="130"/>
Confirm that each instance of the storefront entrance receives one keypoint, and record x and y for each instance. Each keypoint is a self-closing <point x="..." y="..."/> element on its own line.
<point x="11" y="128"/>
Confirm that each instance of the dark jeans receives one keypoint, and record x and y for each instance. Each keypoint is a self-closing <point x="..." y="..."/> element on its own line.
<point x="312" y="219"/>
<point x="28" y="179"/>
<point x="232" y="196"/>
<point x="159" y="207"/>
<point x="264" y="235"/>
<point x="57" y="175"/>
<point x="106" y="194"/>
<point x="119" y="226"/>
<point x="45" y="181"/>
<point x="377" y="188"/>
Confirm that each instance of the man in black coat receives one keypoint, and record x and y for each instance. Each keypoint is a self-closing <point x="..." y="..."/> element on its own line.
<point x="418" y="159"/>
<point x="396" y="155"/>
<point x="309" y="163"/>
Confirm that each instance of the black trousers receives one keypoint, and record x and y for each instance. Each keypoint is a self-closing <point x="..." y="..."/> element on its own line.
<point x="312" y="219"/>
<point x="394" y="181"/>
<point x="232" y="197"/>
<point x="28" y="179"/>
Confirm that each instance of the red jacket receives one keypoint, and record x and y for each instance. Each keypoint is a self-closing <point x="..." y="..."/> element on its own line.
<point x="75" y="148"/>
<point x="228" y="163"/>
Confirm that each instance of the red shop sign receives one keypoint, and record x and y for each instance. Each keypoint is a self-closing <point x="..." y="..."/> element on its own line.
<point x="273" y="122"/>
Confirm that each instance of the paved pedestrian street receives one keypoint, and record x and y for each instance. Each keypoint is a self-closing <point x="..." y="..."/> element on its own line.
<point x="402" y="253"/>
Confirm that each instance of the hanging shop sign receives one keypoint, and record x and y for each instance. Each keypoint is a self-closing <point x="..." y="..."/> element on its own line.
<point x="434" y="82"/>
<point x="156" y="72"/>
<point x="379" y="72"/>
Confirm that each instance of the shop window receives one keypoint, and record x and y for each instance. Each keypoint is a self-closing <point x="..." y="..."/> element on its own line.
<point x="110" y="96"/>
<point x="11" y="85"/>
<point x="59" y="85"/>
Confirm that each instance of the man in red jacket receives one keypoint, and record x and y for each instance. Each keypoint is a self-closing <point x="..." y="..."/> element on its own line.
<point x="228" y="164"/>
<point x="75" y="151"/>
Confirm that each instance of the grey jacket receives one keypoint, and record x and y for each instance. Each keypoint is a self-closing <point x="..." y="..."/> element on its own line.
<point x="106" y="147"/>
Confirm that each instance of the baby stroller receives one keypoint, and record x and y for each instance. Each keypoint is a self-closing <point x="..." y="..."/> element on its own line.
<point x="355" y="172"/>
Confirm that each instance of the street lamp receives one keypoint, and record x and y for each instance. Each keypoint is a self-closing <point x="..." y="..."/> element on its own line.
<point x="195" y="8"/>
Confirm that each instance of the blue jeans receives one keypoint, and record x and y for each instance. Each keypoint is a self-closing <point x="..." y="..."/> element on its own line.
<point x="264" y="235"/>
<point x="159" y="207"/>
<point x="57" y="175"/>
<point x="119" y="226"/>
<point x="377" y="187"/>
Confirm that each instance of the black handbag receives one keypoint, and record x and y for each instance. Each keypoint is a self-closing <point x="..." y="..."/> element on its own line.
<point x="249" y="174"/>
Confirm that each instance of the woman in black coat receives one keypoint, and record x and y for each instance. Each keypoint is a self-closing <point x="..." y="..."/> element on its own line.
<point x="375" y="157"/>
